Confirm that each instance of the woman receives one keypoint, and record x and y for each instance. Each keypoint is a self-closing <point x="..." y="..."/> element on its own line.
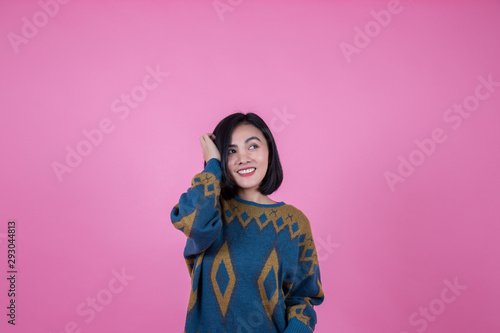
<point x="252" y="261"/>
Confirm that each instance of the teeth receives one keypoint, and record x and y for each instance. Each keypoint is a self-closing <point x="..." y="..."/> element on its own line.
<point x="246" y="170"/>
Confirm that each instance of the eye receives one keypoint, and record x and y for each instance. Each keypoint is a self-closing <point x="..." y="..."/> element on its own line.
<point x="230" y="150"/>
<point x="254" y="146"/>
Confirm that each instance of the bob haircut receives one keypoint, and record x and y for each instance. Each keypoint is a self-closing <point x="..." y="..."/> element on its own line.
<point x="223" y="131"/>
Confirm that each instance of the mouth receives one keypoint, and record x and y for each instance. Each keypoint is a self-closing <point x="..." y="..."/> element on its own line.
<point x="246" y="172"/>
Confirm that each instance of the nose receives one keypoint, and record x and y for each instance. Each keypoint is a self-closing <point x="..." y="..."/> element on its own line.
<point x="242" y="157"/>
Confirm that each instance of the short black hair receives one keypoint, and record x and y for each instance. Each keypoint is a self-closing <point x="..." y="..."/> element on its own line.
<point x="223" y="131"/>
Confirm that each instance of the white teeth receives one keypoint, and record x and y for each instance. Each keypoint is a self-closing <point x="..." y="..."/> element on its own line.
<point x="246" y="171"/>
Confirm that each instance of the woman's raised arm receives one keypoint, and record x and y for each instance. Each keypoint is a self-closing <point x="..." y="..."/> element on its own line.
<point x="197" y="214"/>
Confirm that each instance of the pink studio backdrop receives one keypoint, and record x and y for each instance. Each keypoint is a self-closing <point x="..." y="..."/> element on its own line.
<point x="386" y="116"/>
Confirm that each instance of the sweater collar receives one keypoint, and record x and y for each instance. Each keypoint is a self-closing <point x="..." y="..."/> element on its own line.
<point x="278" y="204"/>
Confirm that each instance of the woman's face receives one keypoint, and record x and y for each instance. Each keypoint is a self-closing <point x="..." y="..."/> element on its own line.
<point x="247" y="151"/>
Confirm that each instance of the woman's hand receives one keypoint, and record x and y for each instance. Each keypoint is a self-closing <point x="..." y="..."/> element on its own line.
<point x="208" y="147"/>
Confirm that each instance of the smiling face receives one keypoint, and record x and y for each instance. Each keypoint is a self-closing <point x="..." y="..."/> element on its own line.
<point x="247" y="151"/>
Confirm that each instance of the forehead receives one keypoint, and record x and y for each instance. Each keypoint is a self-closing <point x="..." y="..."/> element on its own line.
<point x="245" y="131"/>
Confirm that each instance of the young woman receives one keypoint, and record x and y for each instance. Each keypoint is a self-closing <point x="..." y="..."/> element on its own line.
<point x="252" y="260"/>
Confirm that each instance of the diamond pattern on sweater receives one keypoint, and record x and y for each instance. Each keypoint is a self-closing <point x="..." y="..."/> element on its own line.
<point x="223" y="278"/>
<point x="268" y="282"/>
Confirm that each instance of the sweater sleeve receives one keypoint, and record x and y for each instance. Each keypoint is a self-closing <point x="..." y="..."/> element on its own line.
<point x="197" y="214"/>
<point x="306" y="290"/>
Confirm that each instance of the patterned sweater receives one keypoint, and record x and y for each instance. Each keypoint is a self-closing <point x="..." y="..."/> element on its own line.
<point x="253" y="267"/>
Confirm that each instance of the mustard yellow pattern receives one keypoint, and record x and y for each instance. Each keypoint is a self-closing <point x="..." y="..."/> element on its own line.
<point x="210" y="186"/>
<point x="186" y="223"/>
<point x="269" y="276"/>
<point x="297" y="312"/>
<point x="223" y="278"/>
<point x="210" y="183"/>
<point x="231" y="210"/>
<point x="195" y="277"/>
<point x="309" y="252"/>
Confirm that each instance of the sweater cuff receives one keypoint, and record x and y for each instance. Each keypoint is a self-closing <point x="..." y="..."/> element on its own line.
<point x="213" y="167"/>
<point x="296" y="326"/>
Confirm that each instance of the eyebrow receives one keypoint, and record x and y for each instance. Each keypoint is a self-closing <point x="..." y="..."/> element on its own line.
<point x="250" y="138"/>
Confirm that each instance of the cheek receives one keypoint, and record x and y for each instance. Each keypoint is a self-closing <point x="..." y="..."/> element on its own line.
<point x="264" y="157"/>
<point x="229" y="160"/>
<point x="264" y="165"/>
<point x="228" y="166"/>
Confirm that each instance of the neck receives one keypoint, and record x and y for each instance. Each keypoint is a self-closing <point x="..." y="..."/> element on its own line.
<point x="254" y="196"/>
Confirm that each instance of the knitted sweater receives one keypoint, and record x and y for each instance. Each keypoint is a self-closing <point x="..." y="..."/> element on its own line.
<point x="253" y="267"/>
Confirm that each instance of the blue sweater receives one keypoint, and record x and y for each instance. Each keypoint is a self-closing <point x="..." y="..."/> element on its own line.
<point x="253" y="267"/>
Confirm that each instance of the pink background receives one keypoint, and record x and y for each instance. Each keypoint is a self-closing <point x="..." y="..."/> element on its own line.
<point x="386" y="254"/>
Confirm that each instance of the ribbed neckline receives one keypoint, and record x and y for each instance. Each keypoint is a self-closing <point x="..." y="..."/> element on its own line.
<point x="278" y="204"/>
